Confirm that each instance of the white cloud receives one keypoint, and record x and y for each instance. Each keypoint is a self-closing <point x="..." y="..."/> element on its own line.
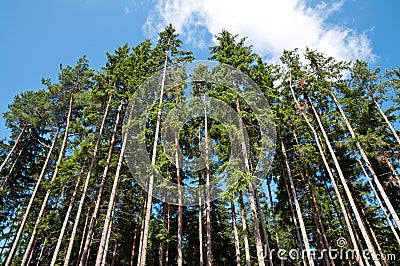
<point x="270" y="25"/>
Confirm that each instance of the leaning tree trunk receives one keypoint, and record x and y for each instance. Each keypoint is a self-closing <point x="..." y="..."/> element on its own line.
<point x="235" y="233"/>
<point x="28" y="250"/>
<point x="108" y="220"/>
<point x="107" y="241"/>
<point x="32" y="198"/>
<point x="13" y="148"/>
<point x="85" y="188"/>
<point x="250" y="188"/>
<point x="346" y="188"/>
<point x="394" y="173"/>
<point x="342" y="179"/>
<point x="387" y="121"/>
<point x="95" y="214"/>
<point x="143" y="251"/>
<point x="379" y="202"/>
<point x="367" y="162"/>
<point x="66" y="219"/>
<point x="298" y="209"/>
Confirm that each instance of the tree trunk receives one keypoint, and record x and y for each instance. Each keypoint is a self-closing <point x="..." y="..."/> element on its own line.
<point x="244" y="229"/>
<point x="66" y="219"/>
<point x="111" y="202"/>
<point x="346" y="188"/>
<point x="168" y="231"/>
<point x="267" y="256"/>
<point x="367" y="162"/>
<point x="11" y="169"/>
<point x="134" y="243"/>
<point x="387" y="121"/>
<point x="143" y="251"/>
<point x="253" y="207"/>
<point x="298" y="209"/>
<point x="208" y="201"/>
<point x="380" y="202"/>
<point x="94" y="218"/>
<point x="104" y="259"/>
<point x="278" y="242"/>
<point x="13" y="148"/>
<point x="55" y="173"/>
<point x="180" y="209"/>
<point x="235" y="233"/>
<point x="87" y="181"/>
<point x="394" y="173"/>
<point x="83" y="239"/>
<point x="32" y="198"/>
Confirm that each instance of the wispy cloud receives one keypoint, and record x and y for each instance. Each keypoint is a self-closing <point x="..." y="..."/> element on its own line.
<point x="270" y="25"/>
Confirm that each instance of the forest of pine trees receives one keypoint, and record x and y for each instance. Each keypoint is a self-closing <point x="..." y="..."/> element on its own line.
<point x="68" y="197"/>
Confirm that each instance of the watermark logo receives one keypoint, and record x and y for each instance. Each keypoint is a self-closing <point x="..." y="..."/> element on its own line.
<point x="191" y="106"/>
<point x="341" y="252"/>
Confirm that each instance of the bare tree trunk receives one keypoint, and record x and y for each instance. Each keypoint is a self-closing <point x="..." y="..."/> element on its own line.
<point x="180" y="209"/>
<point x="41" y="251"/>
<point x="367" y="162"/>
<point x="346" y="188"/>
<point x="93" y="221"/>
<point x="104" y="259"/>
<point x="380" y="203"/>
<point x="66" y="219"/>
<point x="278" y="242"/>
<point x="342" y="179"/>
<point x="208" y="201"/>
<point x="235" y="233"/>
<point x="263" y="230"/>
<point x="111" y="203"/>
<point x="134" y="243"/>
<point x="168" y="231"/>
<point x="298" y="209"/>
<point x="13" y="148"/>
<point x="386" y="120"/>
<point x="46" y="198"/>
<point x="32" y="198"/>
<point x="244" y="229"/>
<point x="87" y="181"/>
<point x="11" y="169"/>
<point x="161" y="248"/>
<point x="114" y="255"/>
<point x="394" y="173"/>
<point x="143" y="251"/>
<point x="253" y="207"/>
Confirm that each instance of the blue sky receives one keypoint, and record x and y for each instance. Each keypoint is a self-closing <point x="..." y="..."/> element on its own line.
<point x="36" y="36"/>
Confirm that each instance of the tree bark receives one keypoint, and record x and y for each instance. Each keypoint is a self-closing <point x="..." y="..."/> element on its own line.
<point x="13" y="148"/>
<point x="387" y="120"/>
<point x="235" y="233"/>
<point x="94" y="218"/>
<point x="32" y="198"/>
<point x="87" y="181"/>
<point x="46" y="198"/>
<point x="244" y="230"/>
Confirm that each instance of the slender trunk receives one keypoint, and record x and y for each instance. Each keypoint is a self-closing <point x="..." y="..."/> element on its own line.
<point x="168" y="231"/>
<point x="143" y="251"/>
<point x="161" y="248"/>
<point x="346" y="188"/>
<point x="55" y="173"/>
<point x="268" y="256"/>
<point x="142" y="228"/>
<point x="253" y="207"/>
<point x="319" y="224"/>
<point x="380" y="202"/>
<point x="11" y="169"/>
<point x="298" y="209"/>
<point x="87" y="181"/>
<point x="387" y="120"/>
<point x="201" y="256"/>
<point x="342" y="179"/>
<point x="66" y="219"/>
<point x="367" y="162"/>
<point x="93" y="221"/>
<point x="278" y="242"/>
<point x="103" y="262"/>
<point x="83" y="238"/>
<point x="208" y="200"/>
<point x="111" y="203"/>
<point x="114" y="255"/>
<point x="244" y="230"/>
<point x="134" y="243"/>
<point x="32" y="198"/>
<point x="394" y="173"/>
<point x="235" y="233"/>
<point x="13" y="148"/>
<point x="180" y="209"/>
<point x="41" y="251"/>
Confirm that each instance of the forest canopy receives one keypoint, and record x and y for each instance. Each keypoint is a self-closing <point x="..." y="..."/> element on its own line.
<point x="69" y="197"/>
